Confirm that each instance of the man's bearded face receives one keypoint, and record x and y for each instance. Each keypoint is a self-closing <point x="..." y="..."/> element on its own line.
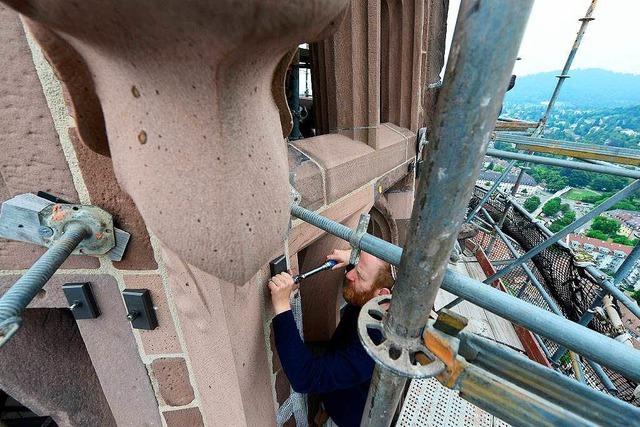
<point x="358" y="286"/>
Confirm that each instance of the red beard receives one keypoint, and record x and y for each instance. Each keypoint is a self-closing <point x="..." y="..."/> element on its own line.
<point x="354" y="297"/>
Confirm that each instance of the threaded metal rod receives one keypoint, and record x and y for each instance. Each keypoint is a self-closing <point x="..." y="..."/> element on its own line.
<point x="16" y="299"/>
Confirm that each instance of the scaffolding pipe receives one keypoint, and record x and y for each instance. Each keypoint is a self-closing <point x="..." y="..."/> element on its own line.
<point x="627" y="265"/>
<point x="567" y="393"/>
<point x="625" y="192"/>
<point x="604" y="378"/>
<point x="563" y="163"/>
<point x="491" y="191"/>
<point x="611" y="287"/>
<point x="567" y="66"/>
<point x="543" y="292"/>
<point x="484" y="48"/>
<point x="584" y="341"/>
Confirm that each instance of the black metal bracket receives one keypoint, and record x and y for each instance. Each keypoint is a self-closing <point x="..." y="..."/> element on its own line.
<point x="278" y="265"/>
<point x="140" y="311"/>
<point x="81" y="300"/>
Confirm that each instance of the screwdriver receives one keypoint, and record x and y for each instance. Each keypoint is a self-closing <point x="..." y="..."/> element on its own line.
<point x="326" y="266"/>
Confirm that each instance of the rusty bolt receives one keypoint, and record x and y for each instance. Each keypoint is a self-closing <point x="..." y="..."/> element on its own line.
<point x="449" y="322"/>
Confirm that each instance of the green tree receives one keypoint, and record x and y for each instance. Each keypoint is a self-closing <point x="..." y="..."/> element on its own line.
<point x="624" y="240"/>
<point x="552" y="206"/>
<point x="532" y="203"/>
<point x="607" y="226"/>
<point x="597" y="234"/>
<point x="555" y="182"/>
<point x="608" y="182"/>
<point x="561" y="223"/>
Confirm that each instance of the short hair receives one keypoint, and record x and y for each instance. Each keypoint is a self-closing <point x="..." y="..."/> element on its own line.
<point x="385" y="277"/>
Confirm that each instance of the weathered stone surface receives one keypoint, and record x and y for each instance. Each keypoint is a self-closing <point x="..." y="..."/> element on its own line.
<point x="276" y="365"/>
<point x="45" y="366"/>
<point x="349" y="80"/>
<point x="188" y="139"/>
<point x="189" y="417"/>
<point x="223" y="329"/>
<point x="400" y="203"/>
<point x="32" y="159"/>
<point x="78" y="88"/>
<point x="110" y="343"/>
<point x="173" y="380"/>
<point x="164" y="338"/>
<point x="349" y="164"/>
<point x="104" y="190"/>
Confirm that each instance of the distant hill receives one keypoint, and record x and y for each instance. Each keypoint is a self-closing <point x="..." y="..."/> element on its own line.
<point x="587" y="88"/>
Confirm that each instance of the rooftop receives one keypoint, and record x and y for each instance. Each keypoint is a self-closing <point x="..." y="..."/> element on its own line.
<point x="492" y="176"/>
<point x="599" y="243"/>
<point x="630" y="218"/>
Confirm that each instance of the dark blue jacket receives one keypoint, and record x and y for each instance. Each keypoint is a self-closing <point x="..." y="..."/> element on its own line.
<point x="341" y="376"/>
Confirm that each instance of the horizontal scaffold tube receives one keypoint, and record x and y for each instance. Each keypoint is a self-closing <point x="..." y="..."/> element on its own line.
<point x="571" y="164"/>
<point x="573" y="336"/>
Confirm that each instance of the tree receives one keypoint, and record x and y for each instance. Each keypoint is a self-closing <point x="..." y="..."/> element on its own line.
<point x="532" y="203"/>
<point x="597" y="234"/>
<point x="576" y="178"/>
<point x="555" y="182"/>
<point x="561" y="223"/>
<point x="608" y="182"/>
<point x="552" y="207"/>
<point x="624" y="240"/>
<point x="607" y="226"/>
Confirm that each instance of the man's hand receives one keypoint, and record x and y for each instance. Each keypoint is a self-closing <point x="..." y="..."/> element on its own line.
<point x="281" y="286"/>
<point x="341" y="257"/>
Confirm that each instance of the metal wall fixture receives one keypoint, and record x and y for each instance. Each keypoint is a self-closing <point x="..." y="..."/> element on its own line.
<point x="65" y="229"/>
<point x="140" y="310"/>
<point x="81" y="301"/>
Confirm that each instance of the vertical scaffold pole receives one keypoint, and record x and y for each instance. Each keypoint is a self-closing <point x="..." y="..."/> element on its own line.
<point x="567" y="66"/>
<point x="484" y="48"/>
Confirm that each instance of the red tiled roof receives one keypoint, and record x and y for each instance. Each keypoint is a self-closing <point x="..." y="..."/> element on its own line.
<point x="599" y="243"/>
<point x="631" y="218"/>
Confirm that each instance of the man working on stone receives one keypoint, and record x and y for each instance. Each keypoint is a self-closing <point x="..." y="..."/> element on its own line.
<point x="340" y="376"/>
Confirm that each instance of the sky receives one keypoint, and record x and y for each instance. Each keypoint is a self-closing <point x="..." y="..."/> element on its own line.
<point x="611" y="41"/>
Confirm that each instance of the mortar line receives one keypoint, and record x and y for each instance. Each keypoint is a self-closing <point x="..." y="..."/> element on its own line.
<point x="157" y="251"/>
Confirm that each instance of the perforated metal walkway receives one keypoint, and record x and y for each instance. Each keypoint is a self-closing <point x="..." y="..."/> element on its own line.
<point x="430" y="404"/>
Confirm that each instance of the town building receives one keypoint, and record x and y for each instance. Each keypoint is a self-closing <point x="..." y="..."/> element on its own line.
<point x="629" y="222"/>
<point x="528" y="185"/>
<point x="607" y="256"/>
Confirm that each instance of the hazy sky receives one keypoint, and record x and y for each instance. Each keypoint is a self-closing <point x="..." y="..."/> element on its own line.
<point x="612" y="40"/>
